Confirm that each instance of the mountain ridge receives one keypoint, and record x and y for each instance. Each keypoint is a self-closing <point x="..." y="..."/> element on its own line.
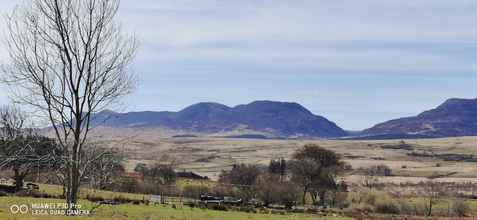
<point x="278" y="119"/>
<point x="454" y="117"/>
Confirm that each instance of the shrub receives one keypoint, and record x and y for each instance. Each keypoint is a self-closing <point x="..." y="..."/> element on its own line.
<point x="376" y="201"/>
<point x="221" y="190"/>
<point x="121" y="199"/>
<point x="406" y="208"/>
<point x="387" y="206"/>
<point x="380" y="170"/>
<point x="460" y="208"/>
<point x="33" y="193"/>
<point x="93" y="198"/>
<point x="271" y="190"/>
<point x="340" y="200"/>
<point x="129" y="185"/>
<point x="195" y="191"/>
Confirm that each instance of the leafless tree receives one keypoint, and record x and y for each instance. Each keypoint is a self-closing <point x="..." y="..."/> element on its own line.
<point x="69" y="59"/>
<point x="12" y="120"/>
<point x="21" y="149"/>
<point x="105" y="164"/>
<point x="433" y="191"/>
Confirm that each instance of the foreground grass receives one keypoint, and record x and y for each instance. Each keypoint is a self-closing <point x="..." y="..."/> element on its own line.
<point x="57" y="190"/>
<point x="159" y="212"/>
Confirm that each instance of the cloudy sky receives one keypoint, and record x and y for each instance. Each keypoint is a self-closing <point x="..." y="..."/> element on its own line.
<point x="355" y="62"/>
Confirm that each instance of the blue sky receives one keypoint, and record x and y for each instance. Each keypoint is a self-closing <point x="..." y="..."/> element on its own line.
<point x="357" y="63"/>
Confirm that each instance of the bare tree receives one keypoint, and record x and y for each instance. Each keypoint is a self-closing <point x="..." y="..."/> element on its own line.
<point x="69" y="59"/>
<point x="105" y="165"/>
<point x="21" y="149"/>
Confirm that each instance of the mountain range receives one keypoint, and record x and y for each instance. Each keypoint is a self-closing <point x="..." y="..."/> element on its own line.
<point x="455" y="117"/>
<point x="273" y="119"/>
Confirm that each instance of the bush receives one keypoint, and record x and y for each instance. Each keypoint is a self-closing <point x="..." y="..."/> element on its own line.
<point x="380" y="170"/>
<point x="271" y="190"/>
<point x="406" y="208"/>
<point x="124" y="200"/>
<point x="340" y="200"/>
<point x="195" y="191"/>
<point x="93" y="198"/>
<point x="221" y="190"/>
<point x="460" y="208"/>
<point x="248" y="209"/>
<point x="129" y="185"/>
<point x="380" y="202"/>
<point x="33" y="193"/>
<point x="387" y="206"/>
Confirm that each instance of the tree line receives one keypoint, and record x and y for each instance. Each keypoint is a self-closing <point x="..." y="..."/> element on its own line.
<point x="310" y="173"/>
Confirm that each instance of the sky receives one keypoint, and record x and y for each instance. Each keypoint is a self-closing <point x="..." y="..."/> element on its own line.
<point x="356" y="63"/>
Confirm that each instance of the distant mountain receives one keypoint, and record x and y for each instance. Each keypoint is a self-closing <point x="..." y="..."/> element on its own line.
<point x="455" y="117"/>
<point x="279" y="119"/>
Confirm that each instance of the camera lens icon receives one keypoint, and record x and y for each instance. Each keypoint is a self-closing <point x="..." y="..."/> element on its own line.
<point x="19" y="209"/>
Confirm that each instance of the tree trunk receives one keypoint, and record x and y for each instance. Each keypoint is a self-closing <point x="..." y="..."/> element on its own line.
<point x="74" y="168"/>
<point x="74" y="183"/>
<point x="313" y="196"/>
<point x="18" y="180"/>
<point x="322" y="196"/>
<point x="429" y="212"/>
<point x="305" y="190"/>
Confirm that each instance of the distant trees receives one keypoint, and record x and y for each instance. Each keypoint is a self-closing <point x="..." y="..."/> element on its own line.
<point x="271" y="189"/>
<point x="161" y="174"/>
<point x="315" y="169"/>
<point x="68" y="60"/>
<point x="278" y="167"/>
<point x="241" y="174"/>
<point x="157" y="177"/>
<point x="372" y="173"/>
<point x="242" y="177"/>
<point x="379" y="170"/>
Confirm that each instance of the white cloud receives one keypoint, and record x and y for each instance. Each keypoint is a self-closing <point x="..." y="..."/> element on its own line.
<point x="334" y="34"/>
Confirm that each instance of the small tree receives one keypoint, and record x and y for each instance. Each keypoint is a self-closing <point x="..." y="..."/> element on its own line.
<point x="372" y="174"/>
<point x="433" y="191"/>
<point x="140" y="168"/>
<point x="161" y="174"/>
<point x="315" y="169"/>
<point x="242" y="176"/>
<point x="278" y="167"/>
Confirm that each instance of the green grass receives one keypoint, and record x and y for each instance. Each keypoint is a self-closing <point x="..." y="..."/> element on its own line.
<point x="57" y="190"/>
<point x="147" y="212"/>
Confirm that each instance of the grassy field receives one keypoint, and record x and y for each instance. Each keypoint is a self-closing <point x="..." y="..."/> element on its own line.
<point x="56" y="190"/>
<point x="129" y="211"/>
<point x="209" y="156"/>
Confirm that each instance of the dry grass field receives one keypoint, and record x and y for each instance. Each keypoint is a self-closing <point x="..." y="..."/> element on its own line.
<point x="424" y="158"/>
